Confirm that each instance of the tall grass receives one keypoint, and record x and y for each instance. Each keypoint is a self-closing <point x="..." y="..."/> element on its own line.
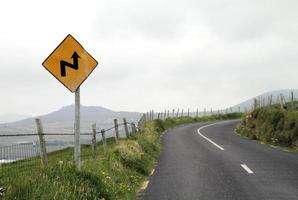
<point x="117" y="174"/>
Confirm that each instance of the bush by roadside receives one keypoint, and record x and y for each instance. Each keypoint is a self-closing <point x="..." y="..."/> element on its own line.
<point x="271" y="124"/>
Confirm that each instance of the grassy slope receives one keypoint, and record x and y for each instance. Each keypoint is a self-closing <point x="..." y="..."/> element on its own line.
<point x="271" y="125"/>
<point x="118" y="174"/>
<point x="115" y="175"/>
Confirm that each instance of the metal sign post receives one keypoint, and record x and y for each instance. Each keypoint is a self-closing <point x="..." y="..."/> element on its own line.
<point x="77" y="147"/>
<point x="71" y="64"/>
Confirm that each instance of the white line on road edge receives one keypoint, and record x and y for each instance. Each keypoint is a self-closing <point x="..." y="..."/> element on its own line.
<point x="246" y="169"/>
<point x="144" y="185"/>
<point x="208" y="138"/>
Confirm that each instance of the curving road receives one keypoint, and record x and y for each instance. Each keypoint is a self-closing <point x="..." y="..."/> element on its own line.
<point x="203" y="161"/>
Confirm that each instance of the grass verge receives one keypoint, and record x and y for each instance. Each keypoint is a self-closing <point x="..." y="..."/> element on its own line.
<point x="272" y="125"/>
<point x="118" y="174"/>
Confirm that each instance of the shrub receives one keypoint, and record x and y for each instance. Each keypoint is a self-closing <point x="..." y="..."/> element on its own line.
<point x="271" y="124"/>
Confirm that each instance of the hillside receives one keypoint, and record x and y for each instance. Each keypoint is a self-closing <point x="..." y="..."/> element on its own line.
<point x="11" y="117"/>
<point x="89" y="114"/>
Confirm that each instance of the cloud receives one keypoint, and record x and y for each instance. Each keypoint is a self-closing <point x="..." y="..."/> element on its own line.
<point x="152" y="19"/>
<point x="152" y="54"/>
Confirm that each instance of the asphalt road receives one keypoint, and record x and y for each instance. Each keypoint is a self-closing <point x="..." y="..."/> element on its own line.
<point x="215" y="163"/>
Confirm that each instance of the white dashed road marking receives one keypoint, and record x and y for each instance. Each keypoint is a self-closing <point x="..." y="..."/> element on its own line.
<point x="247" y="169"/>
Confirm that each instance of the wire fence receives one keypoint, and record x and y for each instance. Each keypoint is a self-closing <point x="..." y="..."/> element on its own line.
<point x="22" y="157"/>
<point x="261" y="101"/>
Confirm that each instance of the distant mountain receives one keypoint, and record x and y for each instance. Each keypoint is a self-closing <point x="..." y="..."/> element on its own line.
<point x="264" y="98"/>
<point x="10" y="117"/>
<point x="63" y="119"/>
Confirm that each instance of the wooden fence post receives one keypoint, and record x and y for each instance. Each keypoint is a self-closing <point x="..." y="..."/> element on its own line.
<point x="277" y="99"/>
<point x="42" y="142"/>
<point x="197" y="113"/>
<point x="103" y="138"/>
<point x="133" y="128"/>
<point x="141" y="122"/>
<point x="182" y="113"/>
<point x="269" y="100"/>
<point x="269" y="103"/>
<point x="204" y="111"/>
<point x="116" y="128"/>
<point x="292" y="100"/>
<point x="125" y="127"/>
<point x="94" y="141"/>
<point x="173" y="112"/>
<point x="161" y="115"/>
<point x="281" y="101"/>
<point x="165" y="114"/>
<point x="255" y="103"/>
<point x="177" y="113"/>
<point x="168" y="115"/>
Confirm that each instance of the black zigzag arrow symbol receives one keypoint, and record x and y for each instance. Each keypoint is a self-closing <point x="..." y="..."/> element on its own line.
<point x="74" y="65"/>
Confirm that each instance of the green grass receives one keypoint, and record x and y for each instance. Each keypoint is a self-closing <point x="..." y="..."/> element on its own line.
<point x="117" y="174"/>
<point x="272" y="125"/>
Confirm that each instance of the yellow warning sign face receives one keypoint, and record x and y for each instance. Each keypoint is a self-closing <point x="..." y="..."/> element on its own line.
<point x="70" y="63"/>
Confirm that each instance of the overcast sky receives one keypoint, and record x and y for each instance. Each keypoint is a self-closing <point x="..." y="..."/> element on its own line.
<point x="156" y="54"/>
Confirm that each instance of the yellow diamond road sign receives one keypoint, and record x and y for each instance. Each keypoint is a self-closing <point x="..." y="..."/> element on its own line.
<point x="70" y="63"/>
